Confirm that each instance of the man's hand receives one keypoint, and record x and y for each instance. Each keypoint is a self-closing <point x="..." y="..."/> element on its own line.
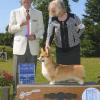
<point x="32" y="37"/>
<point x="23" y="23"/>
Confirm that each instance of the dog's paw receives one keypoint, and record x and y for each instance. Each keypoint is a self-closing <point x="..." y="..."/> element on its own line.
<point x="81" y="82"/>
<point x="52" y="83"/>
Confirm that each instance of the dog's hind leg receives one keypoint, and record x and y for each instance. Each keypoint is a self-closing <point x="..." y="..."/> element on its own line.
<point x="79" y="80"/>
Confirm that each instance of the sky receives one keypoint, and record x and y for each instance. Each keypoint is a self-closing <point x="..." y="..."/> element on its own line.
<point x="7" y="5"/>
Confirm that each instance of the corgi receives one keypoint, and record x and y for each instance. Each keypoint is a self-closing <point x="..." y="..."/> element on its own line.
<point x="56" y="72"/>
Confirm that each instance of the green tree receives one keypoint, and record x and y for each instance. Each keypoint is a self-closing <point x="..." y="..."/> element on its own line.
<point x="6" y="39"/>
<point x="91" y="41"/>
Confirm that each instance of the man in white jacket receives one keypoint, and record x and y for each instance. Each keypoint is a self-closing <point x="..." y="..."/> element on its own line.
<point x="26" y="41"/>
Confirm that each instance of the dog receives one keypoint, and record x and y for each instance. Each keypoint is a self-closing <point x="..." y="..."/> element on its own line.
<point x="56" y="72"/>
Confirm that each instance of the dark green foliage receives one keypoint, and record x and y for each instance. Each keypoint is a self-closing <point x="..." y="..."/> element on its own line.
<point x="67" y="5"/>
<point x="93" y="10"/>
<point x="6" y="39"/>
<point x="8" y="50"/>
<point x="91" y="42"/>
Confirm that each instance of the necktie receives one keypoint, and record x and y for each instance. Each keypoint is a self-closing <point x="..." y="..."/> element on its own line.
<point x="28" y="15"/>
<point x="28" y="23"/>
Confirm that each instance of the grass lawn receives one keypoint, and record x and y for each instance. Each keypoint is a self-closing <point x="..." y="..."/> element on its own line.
<point x="92" y="67"/>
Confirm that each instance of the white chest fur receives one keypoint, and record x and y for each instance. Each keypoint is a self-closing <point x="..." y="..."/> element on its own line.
<point x="44" y="71"/>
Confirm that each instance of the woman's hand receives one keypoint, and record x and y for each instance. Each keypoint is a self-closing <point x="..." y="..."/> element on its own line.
<point x="47" y="48"/>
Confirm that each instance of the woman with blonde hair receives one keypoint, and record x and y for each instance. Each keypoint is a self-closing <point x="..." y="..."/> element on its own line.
<point x="52" y="8"/>
<point x="67" y="29"/>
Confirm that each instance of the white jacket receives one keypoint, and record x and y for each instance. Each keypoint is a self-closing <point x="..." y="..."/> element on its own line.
<point x="20" y="40"/>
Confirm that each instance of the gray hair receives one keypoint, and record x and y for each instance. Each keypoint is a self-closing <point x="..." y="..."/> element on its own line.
<point x="22" y="0"/>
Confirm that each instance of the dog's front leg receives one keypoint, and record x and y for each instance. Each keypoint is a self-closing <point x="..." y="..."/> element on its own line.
<point x="52" y="83"/>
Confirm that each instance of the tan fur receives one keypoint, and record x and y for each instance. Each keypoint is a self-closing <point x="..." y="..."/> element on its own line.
<point x="56" y="73"/>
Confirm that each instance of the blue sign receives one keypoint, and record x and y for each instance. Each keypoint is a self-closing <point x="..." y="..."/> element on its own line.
<point x="26" y="73"/>
<point x="91" y="94"/>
